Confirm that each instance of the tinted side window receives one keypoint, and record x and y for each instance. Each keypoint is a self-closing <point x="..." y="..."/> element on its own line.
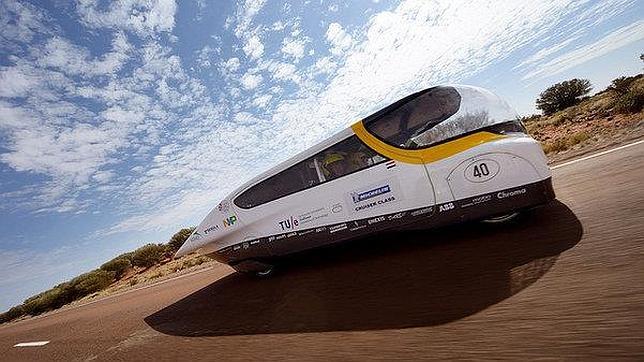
<point x="343" y="158"/>
<point x="401" y="122"/>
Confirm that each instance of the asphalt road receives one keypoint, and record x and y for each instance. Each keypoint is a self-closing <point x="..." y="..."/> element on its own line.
<point x="564" y="281"/>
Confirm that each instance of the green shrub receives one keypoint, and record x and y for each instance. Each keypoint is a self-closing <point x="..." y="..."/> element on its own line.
<point x="179" y="238"/>
<point x="118" y="266"/>
<point x="622" y="85"/>
<point x="91" y="282"/>
<point x="51" y="299"/>
<point x="563" y="95"/>
<point x="577" y="138"/>
<point x="631" y="102"/>
<point x="11" y="314"/>
<point x="148" y="255"/>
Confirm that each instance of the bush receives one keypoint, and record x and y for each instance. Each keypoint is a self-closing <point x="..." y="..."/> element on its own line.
<point x="11" y="314"/>
<point x="51" y="299"/>
<point x="564" y="143"/>
<point x="148" y="255"/>
<point x="563" y="95"/>
<point x="622" y="85"/>
<point x="91" y="282"/>
<point x="179" y="238"/>
<point x="118" y="266"/>
<point x="631" y="102"/>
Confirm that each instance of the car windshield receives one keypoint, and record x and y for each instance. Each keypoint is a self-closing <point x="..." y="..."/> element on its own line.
<point x="438" y="114"/>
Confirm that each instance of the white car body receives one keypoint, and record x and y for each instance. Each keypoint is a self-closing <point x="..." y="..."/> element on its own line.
<point x="471" y="174"/>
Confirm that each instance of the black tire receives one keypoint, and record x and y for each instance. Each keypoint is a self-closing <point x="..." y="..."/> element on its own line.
<point x="501" y="219"/>
<point x="255" y="268"/>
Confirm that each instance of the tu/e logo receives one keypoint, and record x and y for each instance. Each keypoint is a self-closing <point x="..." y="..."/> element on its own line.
<point x="289" y="224"/>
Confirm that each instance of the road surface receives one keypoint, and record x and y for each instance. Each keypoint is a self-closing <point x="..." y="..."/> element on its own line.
<point x="565" y="281"/>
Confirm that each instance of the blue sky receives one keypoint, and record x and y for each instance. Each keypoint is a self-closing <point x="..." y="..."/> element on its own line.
<point x="122" y="122"/>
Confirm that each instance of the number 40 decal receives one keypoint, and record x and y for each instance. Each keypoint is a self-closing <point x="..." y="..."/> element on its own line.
<point x="481" y="170"/>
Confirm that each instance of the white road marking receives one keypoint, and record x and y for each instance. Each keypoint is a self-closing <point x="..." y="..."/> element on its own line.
<point x="597" y="154"/>
<point x="31" y="344"/>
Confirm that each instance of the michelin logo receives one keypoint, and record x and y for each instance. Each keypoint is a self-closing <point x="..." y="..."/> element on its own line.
<point x="361" y="196"/>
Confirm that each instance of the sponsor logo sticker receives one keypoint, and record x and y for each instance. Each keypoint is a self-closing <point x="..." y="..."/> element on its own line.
<point x="313" y="215"/>
<point x="477" y="200"/>
<point x="423" y="211"/>
<point x="446" y="207"/>
<point x="506" y="194"/>
<point x="211" y="229"/>
<point x="375" y="203"/>
<point x="289" y="224"/>
<point x="378" y="194"/>
<point x="396" y="216"/>
<point x="230" y="221"/>
<point x="336" y="228"/>
<point x="362" y="196"/>
<point x="376" y="220"/>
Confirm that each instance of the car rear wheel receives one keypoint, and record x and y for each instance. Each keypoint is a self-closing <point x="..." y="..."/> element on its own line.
<point x="500" y="219"/>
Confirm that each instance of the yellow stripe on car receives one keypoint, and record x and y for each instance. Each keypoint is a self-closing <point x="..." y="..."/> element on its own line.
<point x="425" y="155"/>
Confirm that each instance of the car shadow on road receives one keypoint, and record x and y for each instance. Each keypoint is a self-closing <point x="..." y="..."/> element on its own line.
<point x="389" y="281"/>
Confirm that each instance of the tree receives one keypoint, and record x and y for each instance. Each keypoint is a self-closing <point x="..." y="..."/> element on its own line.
<point x="147" y="255"/>
<point x="622" y="85"/>
<point x="179" y="238"/>
<point x="563" y="95"/>
<point x="118" y="266"/>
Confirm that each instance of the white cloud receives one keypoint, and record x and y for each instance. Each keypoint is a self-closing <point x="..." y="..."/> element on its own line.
<point x="294" y="47"/>
<point x="325" y="65"/>
<point x="613" y="41"/>
<point x="61" y="54"/>
<point x="338" y="38"/>
<point x="246" y="12"/>
<point x="206" y="55"/>
<point x="254" y="47"/>
<point x="230" y="66"/>
<point x="15" y="82"/>
<point x="250" y="80"/>
<point x="20" y="23"/>
<point x="145" y="17"/>
<point x="546" y="52"/>
<point x="283" y="71"/>
<point x="278" y="26"/>
<point x="262" y="101"/>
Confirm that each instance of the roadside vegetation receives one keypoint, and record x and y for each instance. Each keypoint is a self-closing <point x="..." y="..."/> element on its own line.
<point x="570" y="119"/>
<point x="148" y="262"/>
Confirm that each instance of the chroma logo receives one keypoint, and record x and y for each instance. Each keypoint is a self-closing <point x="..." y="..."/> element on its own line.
<point x="230" y="221"/>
